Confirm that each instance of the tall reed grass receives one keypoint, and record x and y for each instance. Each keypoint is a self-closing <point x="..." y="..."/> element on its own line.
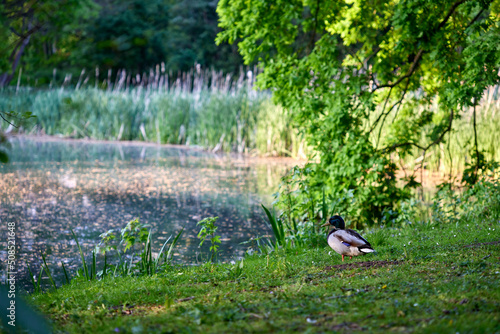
<point x="202" y="108"/>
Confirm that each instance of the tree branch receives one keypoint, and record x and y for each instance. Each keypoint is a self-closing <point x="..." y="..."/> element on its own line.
<point x="313" y="37"/>
<point x="475" y="18"/>
<point x="6" y="120"/>
<point x="424" y="148"/>
<point x="450" y="12"/>
<point x="381" y="114"/>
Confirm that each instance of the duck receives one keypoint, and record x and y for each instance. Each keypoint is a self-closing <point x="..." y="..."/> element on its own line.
<point x="344" y="241"/>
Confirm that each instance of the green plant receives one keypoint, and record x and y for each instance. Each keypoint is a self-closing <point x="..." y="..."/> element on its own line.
<point x="257" y="245"/>
<point x="36" y="284"/>
<point x="478" y="168"/>
<point x="135" y="232"/>
<point x="208" y="229"/>
<point x="82" y="256"/>
<point x="132" y="233"/>
<point x="47" y="271"/>
<point x="149" y="265"/>
<point x="168" y="256"/>
<point x="350" y="71"/>
<point x="66" y="276"/>
<point x="218" y="113"/>
<point x="235" y="270"/>
<point x="277" y="227"/>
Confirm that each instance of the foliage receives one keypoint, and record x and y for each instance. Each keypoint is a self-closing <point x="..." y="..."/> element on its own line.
<point x="191" y="34"/>
<point x="105" y="245"/>
<point x="477" y="203"/>
<point x="346" y="69"/>
<point x="134" y="231"/>
<point x="208" y="229"/>
<point x="82" y="256"/>
<point x="43" y="38"/>
<point x="131" y="35"/>
<point x="236" y="270"/>
<point x="297" y="225"/>
<point x="220" y="112"/>
<point x="478" y="169"/>
<point x="277" y="227"/>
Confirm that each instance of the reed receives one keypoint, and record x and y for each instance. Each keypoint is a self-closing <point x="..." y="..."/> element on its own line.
<point x="82" y="256"/>
<point x="218" y="112"/>
<point x="47" y="271"/>
<point x="203" y="108"/>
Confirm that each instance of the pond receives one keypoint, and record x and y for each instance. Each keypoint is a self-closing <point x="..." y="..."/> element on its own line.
<point x="52" y="186"/>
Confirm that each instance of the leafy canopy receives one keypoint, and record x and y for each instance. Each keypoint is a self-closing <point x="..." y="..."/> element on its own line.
<point x="26" y="26"/>
<point x="351" y="70"/>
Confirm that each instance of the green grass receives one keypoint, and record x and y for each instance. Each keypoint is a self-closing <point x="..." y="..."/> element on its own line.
<point x="445" y="281"/>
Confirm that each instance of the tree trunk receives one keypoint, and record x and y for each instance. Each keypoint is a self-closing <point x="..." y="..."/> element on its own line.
<point x="6" y="78"/>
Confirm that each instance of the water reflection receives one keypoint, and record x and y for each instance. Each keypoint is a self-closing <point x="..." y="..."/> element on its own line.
<point x="51" y="186"/>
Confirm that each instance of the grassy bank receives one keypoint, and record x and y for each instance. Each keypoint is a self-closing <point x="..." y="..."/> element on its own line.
<point x="439" y="276"/>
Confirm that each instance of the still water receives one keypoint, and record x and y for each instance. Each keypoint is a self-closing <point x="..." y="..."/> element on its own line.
<point x="51" y="186"/>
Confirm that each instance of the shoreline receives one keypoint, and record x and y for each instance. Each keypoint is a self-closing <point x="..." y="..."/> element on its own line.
<point x="430" y="178"/>
<point x="289" y="161"/>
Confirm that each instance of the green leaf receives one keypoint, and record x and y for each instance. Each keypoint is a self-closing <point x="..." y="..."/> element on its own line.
<point x="4" y="158"/>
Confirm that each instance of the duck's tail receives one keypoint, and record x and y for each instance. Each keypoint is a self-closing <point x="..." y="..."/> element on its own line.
<point x="367" y="250"/>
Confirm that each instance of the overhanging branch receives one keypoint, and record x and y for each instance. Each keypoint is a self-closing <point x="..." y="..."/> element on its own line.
<point x="424" y="148"/>
<point x="420" y="52"/>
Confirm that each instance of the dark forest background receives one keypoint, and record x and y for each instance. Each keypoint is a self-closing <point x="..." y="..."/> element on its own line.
<point x="68" y="35"/>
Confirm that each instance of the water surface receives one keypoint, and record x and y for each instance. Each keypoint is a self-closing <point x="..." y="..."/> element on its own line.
<point x="52" y="186"/>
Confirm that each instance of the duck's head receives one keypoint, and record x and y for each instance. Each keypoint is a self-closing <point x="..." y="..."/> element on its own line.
<point x="336" y="221"/>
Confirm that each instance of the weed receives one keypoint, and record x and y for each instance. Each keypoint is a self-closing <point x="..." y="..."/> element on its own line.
<point x="208" y="229"/>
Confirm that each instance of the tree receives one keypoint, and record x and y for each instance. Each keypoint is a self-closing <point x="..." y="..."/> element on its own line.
<point x="192" y="31"/>
<point x="23" y="21"/>
<point x="351" y="70"/>
<point x="129" y="35"/>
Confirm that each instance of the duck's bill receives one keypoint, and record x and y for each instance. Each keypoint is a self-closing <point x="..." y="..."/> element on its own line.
<point x="325" y="224"/>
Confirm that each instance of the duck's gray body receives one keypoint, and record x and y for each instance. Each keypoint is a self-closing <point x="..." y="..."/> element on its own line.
<point x="348" y="242"/>
<point x="345" y="241"/>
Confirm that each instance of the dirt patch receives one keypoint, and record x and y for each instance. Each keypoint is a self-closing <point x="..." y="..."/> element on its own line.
<point x="367" y="265"/>
<point x="483" y="243"/>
